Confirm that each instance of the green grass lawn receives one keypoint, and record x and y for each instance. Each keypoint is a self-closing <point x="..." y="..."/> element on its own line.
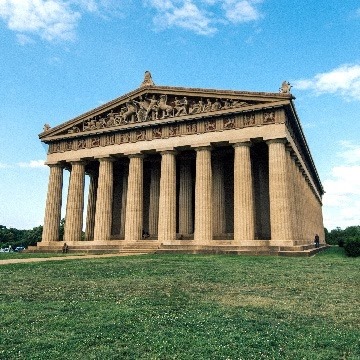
<point x="182" y="307"/>
<point x="24" y="255"/>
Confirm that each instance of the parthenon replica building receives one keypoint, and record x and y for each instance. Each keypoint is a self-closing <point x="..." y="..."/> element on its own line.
<point x="184" y="169"/>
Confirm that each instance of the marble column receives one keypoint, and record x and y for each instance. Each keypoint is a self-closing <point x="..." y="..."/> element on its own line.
<point x="280" y="211"/>
<point x="219" y="221"/>
<point x="75" y="202"/>
<point x="91" y="207"/>
<point x="53" y="204"/>
<point x="244" y="212"/>
<point x="185" y="198"/>
<point x="134" y="203"/>
<point x="103" y="215"/>
<point x="167" y="201"/>
<point x="154" y="198"/>
<point x="203" y="196"/>
<point x="123" y="201"/>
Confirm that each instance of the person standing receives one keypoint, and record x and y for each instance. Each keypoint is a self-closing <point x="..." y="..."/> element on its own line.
<point x="317" y="241"/>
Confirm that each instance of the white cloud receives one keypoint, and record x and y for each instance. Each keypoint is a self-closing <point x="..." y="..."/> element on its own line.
<point x="344" y="80"/>
<point x="342" y="197"/>
<point x="33" y="164"/>
<point x="187" y="15"/>
<point x="241" y="11"/>
<point x="202" y="16"/>
<point x="4" y="166"/>
<point x="58" y="19"/>
<point x="50" y="19"/>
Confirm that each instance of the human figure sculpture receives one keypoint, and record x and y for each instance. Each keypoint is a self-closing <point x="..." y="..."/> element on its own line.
<point x="285" y="87"/>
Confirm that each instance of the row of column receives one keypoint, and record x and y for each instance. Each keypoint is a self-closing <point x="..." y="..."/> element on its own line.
<point x="288" y="195"/>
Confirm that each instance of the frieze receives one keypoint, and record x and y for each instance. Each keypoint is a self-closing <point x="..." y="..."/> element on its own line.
<point x="229" y="123"/>
<point x="249" y="119"/>
<point x="269" y="117"/>
<point x="210" y="125"/>
<point x="166" y="130"/>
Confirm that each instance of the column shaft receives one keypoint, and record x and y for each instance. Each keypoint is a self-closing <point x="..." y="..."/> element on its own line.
<point x="134" y="203"/>
<point x="280" y="212"/>
<point x="91" y="207"/>
<point x="219" y="221"/>
<point x="123" y="202"/>
<point x="203" y="196"/>
<point x="103" y="216"/>
<point x="75" y="203"/>
<point x="167" y="202"/>
<point x="53" y="204"/>
<point x="244" y="212"/>
<point x="185" y="198"/>
<point x="154" y="198"/>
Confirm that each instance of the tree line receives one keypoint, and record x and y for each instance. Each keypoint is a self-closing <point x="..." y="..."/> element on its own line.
<point x="15" y="237"/>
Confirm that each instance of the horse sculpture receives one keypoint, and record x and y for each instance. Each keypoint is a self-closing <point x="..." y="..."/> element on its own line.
<point x="167" y="110"/>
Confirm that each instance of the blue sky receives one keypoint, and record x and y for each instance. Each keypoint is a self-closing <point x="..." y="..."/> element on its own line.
<point x="61" y="58"/>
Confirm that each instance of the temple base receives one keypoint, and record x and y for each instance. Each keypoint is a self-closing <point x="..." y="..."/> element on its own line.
<point x="257" y="247"/>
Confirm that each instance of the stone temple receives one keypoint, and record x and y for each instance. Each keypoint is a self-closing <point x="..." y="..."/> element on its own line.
<point x="184" y="169"/>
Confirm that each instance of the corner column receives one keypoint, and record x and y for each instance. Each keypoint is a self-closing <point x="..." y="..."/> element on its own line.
<point x="244" y="212"/>
<point x="203" y="196"/>
<point x="103" y="216"/>
<point x="280" y="208"/>
<point x="167" y="201"/>
<point x="53" y="204"/>
<point x="134" y="203"/>
<point x="75" y="202"/>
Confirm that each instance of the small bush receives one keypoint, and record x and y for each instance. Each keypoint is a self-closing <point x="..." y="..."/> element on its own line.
<point x="352" y="247"/>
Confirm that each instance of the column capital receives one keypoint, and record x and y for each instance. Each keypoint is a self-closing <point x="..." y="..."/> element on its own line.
<point x="276" y="141"/>
<point x="55" y="164"/>
<point x="134" y="156"/>
<point x="105" y="159"/>
<point x="246" y="143"/>
<point x="77" y="162"/>
<point x="163" y="152"/>
<point x="203" y="148"/>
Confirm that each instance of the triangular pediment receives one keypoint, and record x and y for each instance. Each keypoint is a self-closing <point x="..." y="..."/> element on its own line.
<point x="152" y="104"/>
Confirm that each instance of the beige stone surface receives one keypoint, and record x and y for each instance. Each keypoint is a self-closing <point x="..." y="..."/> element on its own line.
<point x="235" y="169"/>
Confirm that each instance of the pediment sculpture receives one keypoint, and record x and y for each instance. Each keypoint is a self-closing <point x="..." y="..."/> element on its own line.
<point x="151" y="107"/>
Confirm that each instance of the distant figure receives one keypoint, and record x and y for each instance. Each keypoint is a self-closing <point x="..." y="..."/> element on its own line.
<point x="285" y="88"/>
<point x="145" y="235"/>
<point x="65" y="248"/>
<point x="317" y="241"/>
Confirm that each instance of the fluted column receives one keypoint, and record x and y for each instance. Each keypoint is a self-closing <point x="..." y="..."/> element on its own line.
<point x="185" y="198"/>
<point x="154" y="198"/>
<point x="219" y="224"/>
<point x="75" y="202"/>
<point x="244" y="212"/>
<point x="292" y="192"/>
<point x="280" y="212"/>
<point x="123" y="201"/>
<point x="91" y="207"/>
<point x="53" y="204"/>
<point x="203" y="196"/>
<point x="103" y="215"/>
<point x="134" y="203"/>
<point x="167" y="201"/>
